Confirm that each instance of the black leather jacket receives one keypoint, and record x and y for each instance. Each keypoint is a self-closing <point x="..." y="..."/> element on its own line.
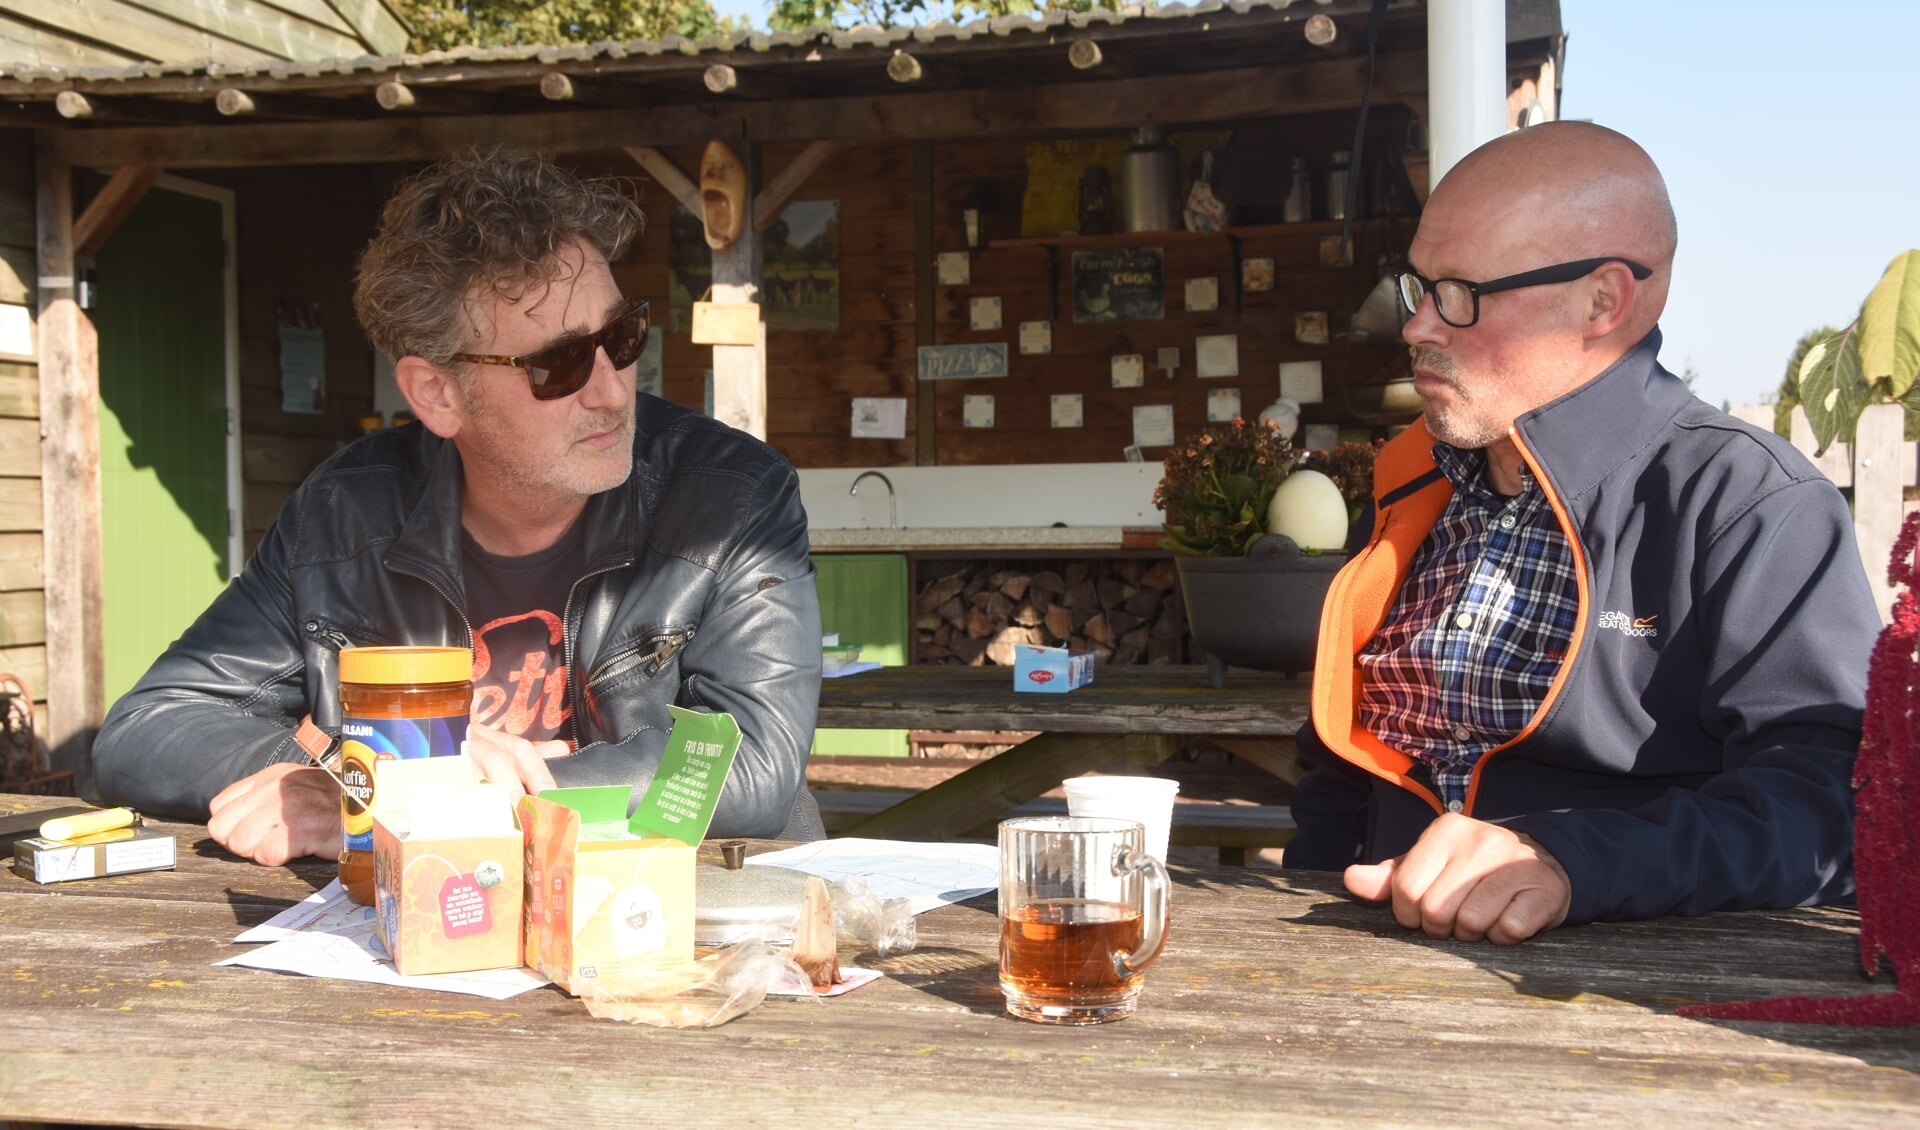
<point x="698" y="592"/>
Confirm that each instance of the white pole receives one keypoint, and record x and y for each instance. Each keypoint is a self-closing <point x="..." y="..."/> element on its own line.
<point x="1466" y="79"/>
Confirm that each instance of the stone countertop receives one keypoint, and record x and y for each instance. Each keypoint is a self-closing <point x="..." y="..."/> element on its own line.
<point x="908" y="540"/>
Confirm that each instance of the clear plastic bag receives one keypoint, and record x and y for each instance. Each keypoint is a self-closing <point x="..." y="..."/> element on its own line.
<point x="884" y="926"/>
<point x="705" y="994"/>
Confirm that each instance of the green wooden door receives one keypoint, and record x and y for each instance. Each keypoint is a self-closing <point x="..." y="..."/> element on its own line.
<point x="863" y="597"/>
<point x="161" y="317"/>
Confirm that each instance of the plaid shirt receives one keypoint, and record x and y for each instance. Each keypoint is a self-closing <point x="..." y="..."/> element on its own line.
<point x="1478" y="633"/>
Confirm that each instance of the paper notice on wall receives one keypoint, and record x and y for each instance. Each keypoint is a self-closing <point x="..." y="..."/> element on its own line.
<point x="880" y="417"/>
<point x="1203" y="295"/>
<point x="1068" y="410"/>
<point x="955" y="268"/>
<point x="16" y="331"/>
<point x="649" y="375"/>
<point x="1217" y="355"/>
<point x="303" y="357"/>
<point x="1153" y="425"/>
<point x="1036" y="337"/>
<point x="1300" y="382"/>
<point x="976" y="411"/>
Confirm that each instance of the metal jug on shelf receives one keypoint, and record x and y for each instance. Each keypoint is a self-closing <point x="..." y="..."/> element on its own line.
<point x="1149" y="183"/>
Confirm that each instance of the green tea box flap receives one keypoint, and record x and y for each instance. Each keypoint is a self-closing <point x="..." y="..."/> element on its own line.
<point x="679" y="804"/>
<point x="602" y="809"/>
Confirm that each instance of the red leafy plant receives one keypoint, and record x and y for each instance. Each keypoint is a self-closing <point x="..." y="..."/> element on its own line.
<point x="1886" y="830"/>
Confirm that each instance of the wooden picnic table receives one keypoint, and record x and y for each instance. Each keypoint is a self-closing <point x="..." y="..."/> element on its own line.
<point x="1130" y="715"/>
<point x="1277" y="1002"/>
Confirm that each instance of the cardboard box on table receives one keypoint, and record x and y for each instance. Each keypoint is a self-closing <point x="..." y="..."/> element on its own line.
<point x="449" y="878"/>
<point x="612" y="895"/>
<point x="1050" y="670"/>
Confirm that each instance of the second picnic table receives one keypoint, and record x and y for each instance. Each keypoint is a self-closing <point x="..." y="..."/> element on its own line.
<point x="1135" y="715"/>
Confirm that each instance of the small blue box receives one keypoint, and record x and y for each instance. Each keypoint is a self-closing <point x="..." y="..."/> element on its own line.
<point x="1050" y="670"/>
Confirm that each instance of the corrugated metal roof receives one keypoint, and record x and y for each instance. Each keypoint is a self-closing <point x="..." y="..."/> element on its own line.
<point x="818" y="37"/>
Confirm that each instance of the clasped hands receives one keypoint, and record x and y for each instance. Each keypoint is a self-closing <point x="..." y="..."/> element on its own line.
<point x="1470" y="880"/>
<point x="289" y="810"/>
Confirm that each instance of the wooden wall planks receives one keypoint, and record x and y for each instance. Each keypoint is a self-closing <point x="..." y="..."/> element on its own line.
<point x="22" y="549"/>
<point x="813" y="376"/>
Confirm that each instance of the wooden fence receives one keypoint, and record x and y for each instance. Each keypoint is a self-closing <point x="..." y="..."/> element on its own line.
<point x="1877" y="470"/>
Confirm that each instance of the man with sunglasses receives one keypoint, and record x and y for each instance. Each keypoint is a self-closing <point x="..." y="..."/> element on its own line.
<point x="605" y="555"/>
<point x="1603" y="653"/>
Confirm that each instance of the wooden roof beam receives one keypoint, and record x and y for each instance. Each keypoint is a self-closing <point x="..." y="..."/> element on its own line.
<point x="77" y="107"/>
<point x="667" y="175"/>
<point x="113" y="204"/>
<point x="396" y="96"/>
<point x="773" y="199"/>
<point x="1034" y="111"/>
<point x="236" y="104"/>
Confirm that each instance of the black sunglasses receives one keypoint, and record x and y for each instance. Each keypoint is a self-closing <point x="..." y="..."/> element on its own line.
<point x="1457" y="301"/>
<point x="564" y="369"/>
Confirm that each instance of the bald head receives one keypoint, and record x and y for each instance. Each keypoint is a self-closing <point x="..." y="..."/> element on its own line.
<point x="1567" y="190"/>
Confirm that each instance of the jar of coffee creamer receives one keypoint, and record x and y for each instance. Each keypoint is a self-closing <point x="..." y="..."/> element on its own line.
<point x="395" y="702"/>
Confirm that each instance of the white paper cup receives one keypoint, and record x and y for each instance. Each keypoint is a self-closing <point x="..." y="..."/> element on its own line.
<point x="1148" y="800"/>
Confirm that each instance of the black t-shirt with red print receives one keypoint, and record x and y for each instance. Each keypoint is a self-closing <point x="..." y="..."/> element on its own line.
<point x="515" y="605"/>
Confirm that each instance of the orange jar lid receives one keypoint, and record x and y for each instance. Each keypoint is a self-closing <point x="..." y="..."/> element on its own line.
<point x="391" y="666"/>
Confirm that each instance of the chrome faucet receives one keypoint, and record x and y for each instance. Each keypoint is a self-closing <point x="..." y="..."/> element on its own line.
<point x="893" y="519"/>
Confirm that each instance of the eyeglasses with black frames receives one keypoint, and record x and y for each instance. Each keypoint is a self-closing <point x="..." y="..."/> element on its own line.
<point x="1457" y="301"/>
<point x="564" y="369"/>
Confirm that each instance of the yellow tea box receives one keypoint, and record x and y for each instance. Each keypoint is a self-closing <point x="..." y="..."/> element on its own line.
<point x="610" y="894"/>
<point x="601" y="900"/>
<point x="448" y="875"/>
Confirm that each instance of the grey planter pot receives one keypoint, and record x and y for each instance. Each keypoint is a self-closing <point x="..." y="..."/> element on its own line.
<point x="1260" y="611"/>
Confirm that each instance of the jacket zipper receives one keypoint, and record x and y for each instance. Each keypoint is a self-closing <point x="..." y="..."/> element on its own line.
<point x="1565" y="521"/>
<point x="666" y="645"/>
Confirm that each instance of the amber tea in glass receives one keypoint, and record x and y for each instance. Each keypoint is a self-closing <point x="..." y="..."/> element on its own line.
<point x="1083" y="912"/>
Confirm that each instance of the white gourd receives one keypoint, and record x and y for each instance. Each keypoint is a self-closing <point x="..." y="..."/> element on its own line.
<point x="1307" y="507"/>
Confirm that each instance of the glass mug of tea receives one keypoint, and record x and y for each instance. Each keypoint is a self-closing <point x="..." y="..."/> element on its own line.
<point x="1083" y="912"/>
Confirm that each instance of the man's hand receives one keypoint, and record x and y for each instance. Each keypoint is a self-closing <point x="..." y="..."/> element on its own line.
<point x="515" y="762"/>
<point x="1469" y="879"/>
<point x="280" y="813"/>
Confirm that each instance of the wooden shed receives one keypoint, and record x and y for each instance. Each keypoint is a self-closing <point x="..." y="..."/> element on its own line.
<point x="178" y="230"/>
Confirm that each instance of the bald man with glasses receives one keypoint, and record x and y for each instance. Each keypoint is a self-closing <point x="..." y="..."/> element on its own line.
<point x="604" y="554"/>
<point x="1603" y="653"/>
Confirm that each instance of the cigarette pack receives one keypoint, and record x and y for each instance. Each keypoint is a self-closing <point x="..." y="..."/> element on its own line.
<point x="114" y="852"/>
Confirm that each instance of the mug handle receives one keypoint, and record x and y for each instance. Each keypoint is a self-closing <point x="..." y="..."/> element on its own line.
<point x="1154" y="936"/>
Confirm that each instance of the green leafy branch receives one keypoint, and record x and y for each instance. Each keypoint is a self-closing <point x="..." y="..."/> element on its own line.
<point x="1873" y="361"/>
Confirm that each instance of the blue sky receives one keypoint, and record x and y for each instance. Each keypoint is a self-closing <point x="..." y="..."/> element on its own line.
<point x="1783" y="131"/>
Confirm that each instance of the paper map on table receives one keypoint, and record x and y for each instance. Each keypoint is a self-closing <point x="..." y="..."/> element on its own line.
<point x="326" y="935"/>
<point x="926" y="875"/>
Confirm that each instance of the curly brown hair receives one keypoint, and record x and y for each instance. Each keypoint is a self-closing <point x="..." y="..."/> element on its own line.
<point x="475" y="223"/>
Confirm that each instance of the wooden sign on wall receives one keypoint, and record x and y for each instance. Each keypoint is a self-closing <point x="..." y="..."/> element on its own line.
<point x="963" y="362"/>
<point x="1122" y="285"/>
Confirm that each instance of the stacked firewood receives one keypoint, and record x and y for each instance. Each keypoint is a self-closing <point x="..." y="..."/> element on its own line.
<point x="1122" y="610"/>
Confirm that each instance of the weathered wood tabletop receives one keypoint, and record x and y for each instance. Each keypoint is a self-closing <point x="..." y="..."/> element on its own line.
<point x="1129" y="715"/>
<point x="1276" y="1003"/>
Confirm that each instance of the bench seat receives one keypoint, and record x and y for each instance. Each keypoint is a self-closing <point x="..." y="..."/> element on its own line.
<point x="1239" y="830"/>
